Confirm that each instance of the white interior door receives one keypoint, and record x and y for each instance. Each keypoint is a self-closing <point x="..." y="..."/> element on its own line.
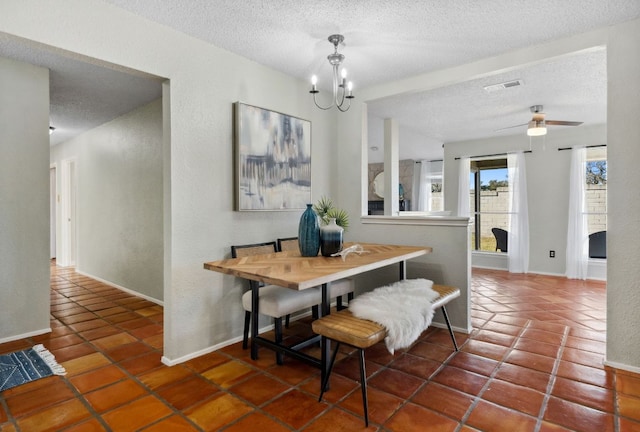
<point x="72" y="214"/>
<point x="68" y="221"/>
<point x="53" y="198"/>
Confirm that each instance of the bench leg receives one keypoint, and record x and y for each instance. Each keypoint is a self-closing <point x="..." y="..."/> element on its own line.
<point x="446" y="318"/>
<point x="363" y="385"/>
<point x="325" y="381"/>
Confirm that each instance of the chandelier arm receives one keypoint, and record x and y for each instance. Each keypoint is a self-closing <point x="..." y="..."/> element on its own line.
<point x="339" y="90"/>
<point x="336" y="86"/>
<point x="345" y="109"/>
<point x="320" y="106"/>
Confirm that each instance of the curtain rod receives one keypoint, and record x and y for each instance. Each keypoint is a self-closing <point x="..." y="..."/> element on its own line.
<point x="495" y="154"/>
<point x="434" y="160"/>
<point x="589" y="146"/>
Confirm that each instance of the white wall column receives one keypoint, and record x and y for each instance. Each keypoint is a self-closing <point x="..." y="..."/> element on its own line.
<point x="24" y="200"/>
<point x="623" y="236"/>
<point x="391" y="166"/>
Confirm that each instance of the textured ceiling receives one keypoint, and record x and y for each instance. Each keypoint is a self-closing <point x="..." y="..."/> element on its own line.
<point x="384" y="40"/>
<point x="572" y="88"/>
<point x="83" y="95"/>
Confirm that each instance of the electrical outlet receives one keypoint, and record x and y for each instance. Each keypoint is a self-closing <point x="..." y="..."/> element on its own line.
<point x="552" y="254"/>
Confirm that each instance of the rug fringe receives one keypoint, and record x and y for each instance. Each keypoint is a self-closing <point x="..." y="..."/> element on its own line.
<point x="49" y="359"/>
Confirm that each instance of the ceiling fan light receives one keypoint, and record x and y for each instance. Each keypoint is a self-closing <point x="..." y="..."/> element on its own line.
<point x="537" y="131"/>
<point x="536" y="128"/>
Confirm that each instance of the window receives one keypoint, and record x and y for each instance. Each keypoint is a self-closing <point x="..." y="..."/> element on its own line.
<point x="437" y="201"/>
<point x="587" y="210"/>
<point x="489" y="202"/>
<point x="427" y="193"/>
<point x="596" y="189"/>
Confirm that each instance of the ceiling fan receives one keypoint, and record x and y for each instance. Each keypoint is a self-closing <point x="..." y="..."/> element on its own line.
<point x="537" y="126"/>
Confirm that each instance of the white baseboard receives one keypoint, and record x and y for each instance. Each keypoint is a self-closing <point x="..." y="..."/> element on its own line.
<point x="489" y="267"/>
<point x="622" y="366"/>
<point x="454" y="328"/>
<point x="121" y="288"/>
<point x="591" y="277"/>
<point x="548" y="274"/>
<point x="26" y="335"/>
<point x="172" y="362"/>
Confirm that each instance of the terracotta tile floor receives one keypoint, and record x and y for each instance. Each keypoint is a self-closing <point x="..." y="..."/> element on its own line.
<point x="532" y="363"/>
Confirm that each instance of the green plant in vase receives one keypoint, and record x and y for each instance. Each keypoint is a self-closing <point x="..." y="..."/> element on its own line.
<point x="334" y="222"/>
<point x="325" y="210"/>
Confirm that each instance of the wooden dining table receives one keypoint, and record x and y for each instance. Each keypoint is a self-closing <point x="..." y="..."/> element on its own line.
<point x="290" y="269"/>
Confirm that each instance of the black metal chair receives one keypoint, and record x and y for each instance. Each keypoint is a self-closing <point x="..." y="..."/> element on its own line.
<point x="598" y="244"/>
<point x="274" y="301"/>
<point x="502" y="237"/>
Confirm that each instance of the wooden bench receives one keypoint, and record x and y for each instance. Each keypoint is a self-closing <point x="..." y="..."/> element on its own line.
<point x="344" y="328"/>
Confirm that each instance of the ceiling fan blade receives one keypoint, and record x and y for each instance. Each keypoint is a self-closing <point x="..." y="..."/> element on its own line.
<point x="563" y="123"/>
<point x="510" y="127"/>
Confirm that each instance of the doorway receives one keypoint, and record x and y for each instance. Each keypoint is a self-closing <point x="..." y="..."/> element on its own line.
<point x="53" y="198"/>
<point x="68" y="222"/>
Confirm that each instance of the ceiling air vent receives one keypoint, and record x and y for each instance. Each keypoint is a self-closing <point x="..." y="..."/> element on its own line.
<point x="504" y="85"/>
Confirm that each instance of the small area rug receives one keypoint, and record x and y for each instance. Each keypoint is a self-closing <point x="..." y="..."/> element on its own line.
<point x="403" y="308"/>
<point x="28" y="365"/>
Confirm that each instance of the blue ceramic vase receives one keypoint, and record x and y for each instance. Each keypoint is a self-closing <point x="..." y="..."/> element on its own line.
<point x="309" y="233"/>
<point x="331" y="238"/>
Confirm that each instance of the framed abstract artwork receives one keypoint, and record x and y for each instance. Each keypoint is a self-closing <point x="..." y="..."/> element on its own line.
<point x="272" y="159"/>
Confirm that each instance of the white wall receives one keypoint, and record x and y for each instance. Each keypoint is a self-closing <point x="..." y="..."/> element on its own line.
<point x="119" y="200"/>
<point x="623" y="235"/>
<point x="202" y="308"/>
<point x="547" y="185"/>
<point x="413" y="145"/>
<point x="24" y="200"/>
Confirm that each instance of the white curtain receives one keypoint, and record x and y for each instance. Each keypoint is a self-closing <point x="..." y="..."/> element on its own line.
<point x="464" y="170"/>
<point x="518" y="242"/>
<point x="577" y="233"/>
<point x="422" y="186"/>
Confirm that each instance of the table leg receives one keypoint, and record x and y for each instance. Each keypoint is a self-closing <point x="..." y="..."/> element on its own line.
<point x="325" y="344"/>
<point x="326" y="301"/>
<point x="402" y="270"/>
<point x="255" y="301"/>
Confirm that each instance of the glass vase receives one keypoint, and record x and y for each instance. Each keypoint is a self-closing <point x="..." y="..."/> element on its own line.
<point x="309" y="233"/>
<point x="331" y="238"/>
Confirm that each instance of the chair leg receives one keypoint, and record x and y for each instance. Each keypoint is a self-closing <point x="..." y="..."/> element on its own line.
<point x="446" y="318"/>
<point x="363" y="385"/>
<point x="314" y="312"/>
<point x="245" y="333"/>
<point x="323" y="385"/>
<point x="278" y="328"/>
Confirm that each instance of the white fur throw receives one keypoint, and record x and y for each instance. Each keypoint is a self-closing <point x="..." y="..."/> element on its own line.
<point x="403" y="308"/>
